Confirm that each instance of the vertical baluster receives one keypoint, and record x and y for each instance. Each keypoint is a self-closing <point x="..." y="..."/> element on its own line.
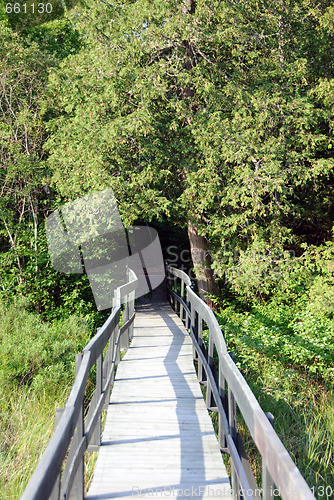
<point x="132" y="310"/>
<point x="117" y="354"/>
<point x="182" y="297"/>
<point x="209" y="401"/>
<point x="124" y="340"/>
<point x="117" y="347"/>
<point x="106" y="362"/>
<point x="195" y="353"/>
<point x="77" y="490"/>
<point x="127" y="333"/>
<point x="111" y="365"/>
<point x="201" y="371"/>
<point x="268" y="485"/>
<point x="177" y="303"/>
<point x="188" y="318"/>
<point x="56" y="489"/>
<point x="117" y="298"/>
<point x="96" y="436"/>
<point x="232" y="419"/>
<point x="221" y="434"/>
<point x="193" y="326"/>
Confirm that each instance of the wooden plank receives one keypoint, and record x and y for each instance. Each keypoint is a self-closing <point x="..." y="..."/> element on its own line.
<point x="158" y="438"/>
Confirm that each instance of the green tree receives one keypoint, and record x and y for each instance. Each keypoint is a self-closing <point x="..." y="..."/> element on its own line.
<point x="23" y="169"/>
<point x="202" y="112"/>
<point x="26" y="198"/>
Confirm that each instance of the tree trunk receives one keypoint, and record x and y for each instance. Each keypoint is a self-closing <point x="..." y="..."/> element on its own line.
<point x="199" y="248"/>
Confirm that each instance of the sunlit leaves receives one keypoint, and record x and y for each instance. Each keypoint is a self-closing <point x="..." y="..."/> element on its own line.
<point x="224" y="116"/>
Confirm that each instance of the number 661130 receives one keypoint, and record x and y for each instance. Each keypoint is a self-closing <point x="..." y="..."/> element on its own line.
<point x="34" y="8"/>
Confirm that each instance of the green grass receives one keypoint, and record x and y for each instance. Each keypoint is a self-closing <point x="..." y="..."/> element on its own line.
<point x="37" y="369"/>
<point x="26" y="428"/>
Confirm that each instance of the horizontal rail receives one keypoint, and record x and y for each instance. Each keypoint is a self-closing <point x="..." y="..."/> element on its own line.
<point x="179" y="274"/>
<point x="74" y="434"/>
<point x="100" y="340"/>
<point x="275" y="458"/>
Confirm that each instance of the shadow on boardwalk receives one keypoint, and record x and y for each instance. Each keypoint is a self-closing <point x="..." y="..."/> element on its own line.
<point x="158" y="439"/>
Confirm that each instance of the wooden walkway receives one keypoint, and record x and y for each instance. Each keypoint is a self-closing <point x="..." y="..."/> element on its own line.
<point x="158" y="439"/>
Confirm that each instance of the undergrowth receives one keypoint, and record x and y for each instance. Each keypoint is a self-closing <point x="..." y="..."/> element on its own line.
<point x="286" y="356"/>
<point x="37" y="369"/>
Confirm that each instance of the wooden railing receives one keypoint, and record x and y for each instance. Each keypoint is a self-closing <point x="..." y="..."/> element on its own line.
<point x="227" y="391"/>
<point x="60" y="472"/>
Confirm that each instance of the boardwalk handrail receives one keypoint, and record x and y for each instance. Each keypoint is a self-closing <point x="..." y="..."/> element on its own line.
<point x="226" y="389"/>
<point x="76" y="433"/>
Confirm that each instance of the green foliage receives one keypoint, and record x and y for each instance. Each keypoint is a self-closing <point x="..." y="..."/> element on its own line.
<point x="299" y="340"/>
<point x="27" y="14"/>
<point x="23" y="171"/>
<point x="3" y="16"/>
<point x="187" y="117"/>
<point x="286" y="355"/>
<point x="35" y="353"/>
<point x="37" y="369"/>
<point x="58" y="37"/>
<point x="52" y="294"/>
<point x="26" y="198"/>
<point x="218" y="113"/>
<point x="321" y="292"/>
<point x="191" y="117"/>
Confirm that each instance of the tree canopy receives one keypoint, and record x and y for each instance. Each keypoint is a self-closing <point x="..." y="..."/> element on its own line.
<point x="214" y="116"/>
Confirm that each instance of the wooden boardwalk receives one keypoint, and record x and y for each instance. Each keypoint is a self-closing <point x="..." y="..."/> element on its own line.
<point x="158" y="439"/>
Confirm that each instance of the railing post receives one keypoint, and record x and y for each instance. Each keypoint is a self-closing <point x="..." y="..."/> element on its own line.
<point x="222" y="394"/>
<point x="117" y="298"/>
<point x="201" y="371"/>
<point x="195" y="353"/>
<point x="56" y="489"/>
<point x="117" y="350"/>
<point x="193" y="327"/>
<point x="117" y="353"/>
<point x="132" y="310"/>
<point x="232" y="420"/>
<point x="126" y="316"/>
<point x="267" y="482"/>
<point x="77" y="490"/>
<point x="177" y="303"/>
<point x="182" y="294"/>
<point x="210" y="363"/>
<point x="106" y="361"/>
<point x="124" y="340"/>
<point x="109" y="365"/>
<point x="95" y="441"/>
<point x="187" y="318"/>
